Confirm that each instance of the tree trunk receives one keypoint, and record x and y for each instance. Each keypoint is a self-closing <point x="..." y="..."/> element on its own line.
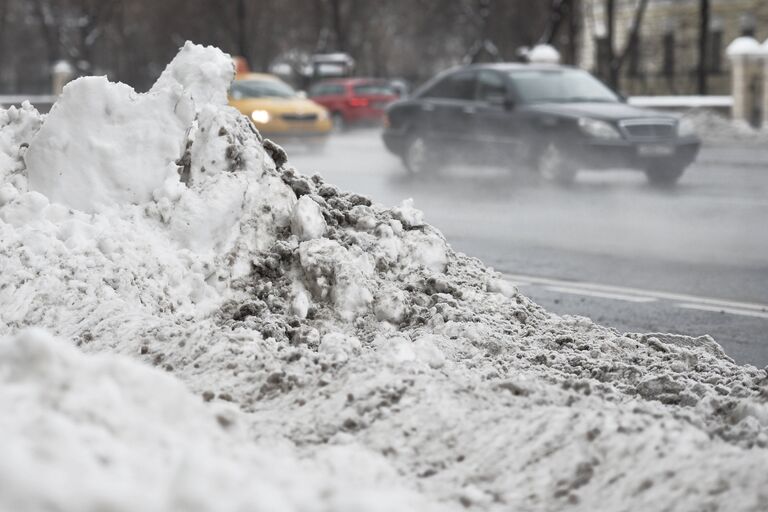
<point x="703" y="45"/>
<point x="242" y="29"/>
<point x="338" y="26"/>
<point x="610" y="21"/>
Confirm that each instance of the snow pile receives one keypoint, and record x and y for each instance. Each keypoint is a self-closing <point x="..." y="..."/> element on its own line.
<point x="334" y="354"/>
<point x="716" y="129"/>
<point x="106" y="433"/>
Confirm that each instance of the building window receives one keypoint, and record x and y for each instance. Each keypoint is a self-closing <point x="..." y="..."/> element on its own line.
<point x="668" y="45"/>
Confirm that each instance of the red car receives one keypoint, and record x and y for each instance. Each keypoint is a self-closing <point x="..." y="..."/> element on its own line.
<point x="354" y="100"/>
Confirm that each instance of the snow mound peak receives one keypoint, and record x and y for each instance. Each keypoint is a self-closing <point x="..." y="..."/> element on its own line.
<point x="103" y="144"/>
<point x="205" y="72"/>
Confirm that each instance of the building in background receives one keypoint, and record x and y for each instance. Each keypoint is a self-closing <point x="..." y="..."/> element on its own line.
<point x="665" y="60"/>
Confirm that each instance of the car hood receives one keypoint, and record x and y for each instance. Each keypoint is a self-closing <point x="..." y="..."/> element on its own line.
<point x="277" y="105"/>
<point x="604" y="111"/>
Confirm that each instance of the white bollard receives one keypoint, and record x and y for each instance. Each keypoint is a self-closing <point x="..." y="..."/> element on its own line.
<point x="746" y="56"/>
<point x="61" y="74"/>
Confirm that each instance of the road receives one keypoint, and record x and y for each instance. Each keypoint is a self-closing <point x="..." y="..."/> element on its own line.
<point x="692" y="260"/>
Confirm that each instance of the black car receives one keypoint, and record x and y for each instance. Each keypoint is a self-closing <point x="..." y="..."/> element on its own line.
<point x="556" y="119"/>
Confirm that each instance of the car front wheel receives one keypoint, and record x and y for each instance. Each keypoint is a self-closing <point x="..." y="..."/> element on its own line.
<point x="553" y="165"/>
<point x="420" y="157"/>
<point x="664" y="175"/>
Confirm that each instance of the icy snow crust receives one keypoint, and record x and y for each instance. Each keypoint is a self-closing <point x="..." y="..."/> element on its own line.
<point x="252" y="339"/>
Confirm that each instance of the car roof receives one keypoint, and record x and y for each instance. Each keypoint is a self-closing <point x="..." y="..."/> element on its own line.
<point x="512" y="66"/>
<point x="257" y="76"/>
<point x="351" y="80"/>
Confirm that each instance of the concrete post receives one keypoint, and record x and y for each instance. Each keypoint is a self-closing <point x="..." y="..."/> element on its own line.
<point x="744" y="54"/>
<point x="61" y="73"/>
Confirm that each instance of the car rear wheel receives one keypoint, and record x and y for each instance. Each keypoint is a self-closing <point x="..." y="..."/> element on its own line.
<point x="420" y="157"/>
<point x="664" y="175"/>
<point x="553" y="166"/>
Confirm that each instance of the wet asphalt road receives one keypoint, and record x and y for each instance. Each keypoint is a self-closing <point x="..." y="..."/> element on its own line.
<point x="692" y="260"/>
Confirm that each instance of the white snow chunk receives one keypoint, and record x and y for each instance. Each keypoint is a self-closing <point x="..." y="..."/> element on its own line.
<point x="307" y="221"/>
<point x="17" y="127"/>
<point x="502" y="286"/>
<point x="391" y="304"/>
<point x="104" y="144"/>
<point x="336" y="274"/>
<point x="205" y="72"/>
<point x="408" y="215"/>
<point x="339" y="346"/>
<point x="427" y="351"/>
<point x="544" y="54"/>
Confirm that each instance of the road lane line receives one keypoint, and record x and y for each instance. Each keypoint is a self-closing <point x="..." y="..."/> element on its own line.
<point x="600" y="295"/>
<point x="716" y="309"/>
<point x="678" y="297"/>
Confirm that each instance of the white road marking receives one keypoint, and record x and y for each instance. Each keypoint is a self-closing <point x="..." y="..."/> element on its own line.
<point x="623" y="293"/>
<point x="601" y="295"/>
<point x="716" y="309"/>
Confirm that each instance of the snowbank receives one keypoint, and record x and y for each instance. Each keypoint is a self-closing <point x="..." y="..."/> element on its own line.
<point x="311" y="350"/>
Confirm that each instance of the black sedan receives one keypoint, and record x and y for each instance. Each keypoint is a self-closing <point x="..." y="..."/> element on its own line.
<point x="555" y="119"/>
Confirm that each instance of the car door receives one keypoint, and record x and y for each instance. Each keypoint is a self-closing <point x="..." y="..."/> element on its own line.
<point x="496" y="125"/>
<point x="447" y="108"/>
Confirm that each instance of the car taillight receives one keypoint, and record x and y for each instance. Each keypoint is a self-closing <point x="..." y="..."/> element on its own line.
<point x="358" y="102"/>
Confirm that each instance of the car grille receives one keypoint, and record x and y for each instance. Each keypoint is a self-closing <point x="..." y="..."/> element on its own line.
<point x="648" y="129"/>
<point x="299" y="117"/>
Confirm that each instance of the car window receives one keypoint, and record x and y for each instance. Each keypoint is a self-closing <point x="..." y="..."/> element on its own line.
<point x="326" y="90"/>
<point x="458" y="86"/>
<point x="491" y="86"/>
<point x="261" y="89"/>
<point x="559" y="86"/>
<point x="374" y="89"/>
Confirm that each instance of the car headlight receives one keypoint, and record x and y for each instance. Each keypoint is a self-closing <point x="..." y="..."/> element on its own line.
<point x="686" y="128"/>
<point x="598" y="129"/>
<point x="260" y="116"/>
<point x="323" y="114"/>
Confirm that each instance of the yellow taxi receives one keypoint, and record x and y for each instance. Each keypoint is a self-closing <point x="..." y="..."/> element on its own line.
<point x="278" y="111"/>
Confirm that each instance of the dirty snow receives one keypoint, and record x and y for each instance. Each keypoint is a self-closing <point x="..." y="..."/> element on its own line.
<point x="224" y="333"/>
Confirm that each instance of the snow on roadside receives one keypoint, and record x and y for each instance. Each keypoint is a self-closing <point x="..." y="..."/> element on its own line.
<point x="396" y="372"/>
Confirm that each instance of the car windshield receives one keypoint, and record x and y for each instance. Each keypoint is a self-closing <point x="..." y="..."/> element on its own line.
<point x="261" y="89"/>
<point x="560" y="86"/>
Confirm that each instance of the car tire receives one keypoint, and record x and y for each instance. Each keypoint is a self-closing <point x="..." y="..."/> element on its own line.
<point x="419" y="156"/>
<point x="553" y="166"/>
<point x="664" y="175"/>
<point x="339" y="123"/>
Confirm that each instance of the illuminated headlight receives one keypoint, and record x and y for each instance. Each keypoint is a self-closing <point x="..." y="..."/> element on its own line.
<point x="260" y="116"/>
<point x="598" y="129"/>
<point x="686" y="128"/>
